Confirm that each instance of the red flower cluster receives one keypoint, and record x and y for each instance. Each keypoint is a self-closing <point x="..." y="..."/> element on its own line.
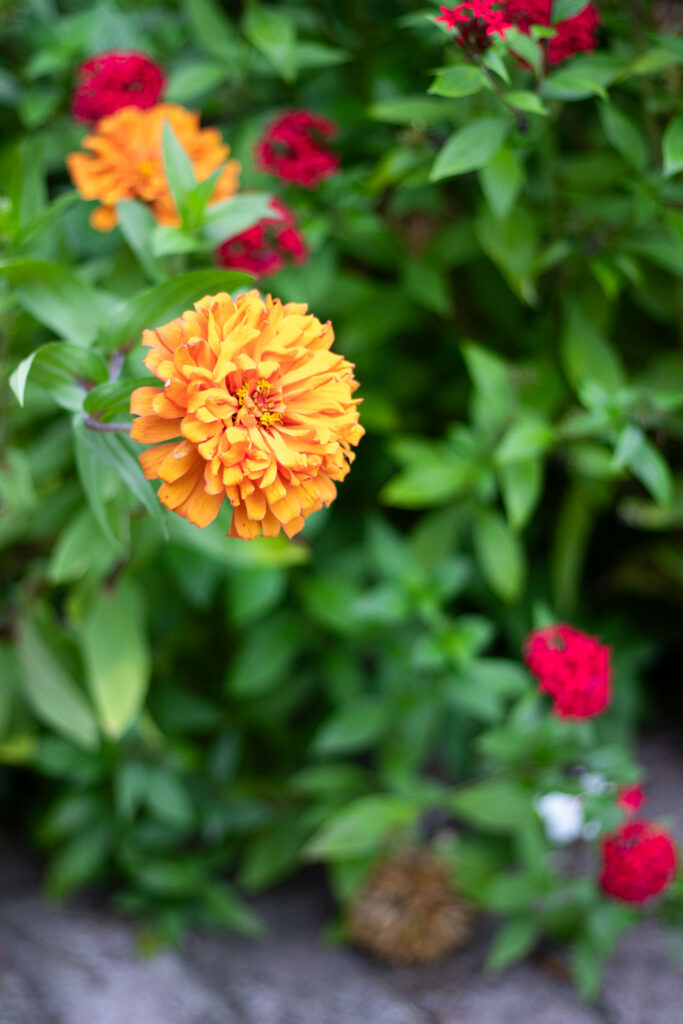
<point x="110" y="81"/>
<point x="571" y="35"/>
<point x="630" y="799"/>
<point x="572" y="667"/>
<point x="294" y="148"/>
<point x="265" y="248"/>
<point x="639" y="861"/>
<point x="475" y="22"/>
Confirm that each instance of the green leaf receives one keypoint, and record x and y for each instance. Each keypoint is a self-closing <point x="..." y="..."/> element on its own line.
<point x="470" y="148"/>
<point x="526" y="47"/>
<point x="79" y="549"/>
<point x="137" y="226"/>
<point x="570" y="84"/>
<point x="160" y="303"/>
<point x="213" y="30"/>
<point x="273" y="33"/>
<point x="95" y="449"/>
<point x="178" y="169"/>
<point x="360" y="828"/>
<point x="430" y="481"/>
<point x="58" y="299"/>
<point x="645" y="462"/>
<point x="521" y="484"/>
<point x="501" y="181"/>
<point x="653" y="61"/>
<point x="233" y="216"/>
<point x="44" y="220"/>
<point x="463" y="80"/>
<point x="54" y="697"/>
<point x="319" y="55"/>
<point x="264" y="657"/>
<point x="624" y="135"/>
<point x="116" y="656"/>
<point x="253" y="592"/>
<point x="572" y="531"/>
<point x="529" y="102"/>
<point x="79" y="861"/>
<point x="587" y="967"/>
<point x="353" y="727"/>
<point x="512" y="941"/>
<point x="499" y="554"/>
<point x="195" y="79"/>
<point x="224" y="909"/>
<point x="168" y="799"/>
<point x="95" y="476"/>
<point x="495" y="805"/>
<point x="411" y="110"/>
<point x="428" y="286"/>
<point x="672" y="146"/>
<point x="586" y="354"/>
<point x="530" y="435"/>
<point x="512" y="244"/>
<point x="494" y="393"/>
<point x="167" y="241"/>
<point x="60" y="368"/>
<point x="563" y="9"/>
<point x="111" y="399"/>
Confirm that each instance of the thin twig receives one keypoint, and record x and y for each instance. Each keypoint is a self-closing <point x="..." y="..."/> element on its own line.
<point x="106" y="428"/>
<point x="115" y="364"/>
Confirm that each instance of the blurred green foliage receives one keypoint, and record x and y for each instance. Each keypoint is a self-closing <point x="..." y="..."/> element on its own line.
<point x="500" y="256"/>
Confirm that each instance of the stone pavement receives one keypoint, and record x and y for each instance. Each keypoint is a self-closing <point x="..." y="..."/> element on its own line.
<point x="78" y="965"/>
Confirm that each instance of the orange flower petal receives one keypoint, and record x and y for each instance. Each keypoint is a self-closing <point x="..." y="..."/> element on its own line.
<point x="149" y="429"/>
<point x="152" y="458"/>
<point x="203" y="508"/>
<point x="246" y="528"/>
<point x="174" y="494"/>
<point x="141" y="401"/>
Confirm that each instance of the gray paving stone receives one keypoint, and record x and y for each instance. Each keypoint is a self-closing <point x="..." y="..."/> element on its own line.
<point x="294" y="976"/>
<point x="644" y="982"/>
<point x="78" y="966"/>
<point x="522" y="995"/>
<point x="457" y="991"/>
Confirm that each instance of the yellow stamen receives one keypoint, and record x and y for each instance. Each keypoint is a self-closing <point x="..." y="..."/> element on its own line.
<point x="268" y="418"/>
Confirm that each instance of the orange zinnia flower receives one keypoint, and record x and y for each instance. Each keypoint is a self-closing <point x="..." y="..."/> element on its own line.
<point x="260" y="410"/>
<point x="126" y="161"/>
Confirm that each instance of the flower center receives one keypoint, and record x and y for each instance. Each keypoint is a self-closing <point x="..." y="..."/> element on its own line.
<point x="256" y="398"/>
<point x="146" y="168"/>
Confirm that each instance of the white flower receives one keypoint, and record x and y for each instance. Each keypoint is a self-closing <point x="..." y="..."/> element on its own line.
<point x="562" y="816"/>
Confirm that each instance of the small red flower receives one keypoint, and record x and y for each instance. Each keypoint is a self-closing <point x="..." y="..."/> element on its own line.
<point x="294" y="148"/>
<point x="474" y="22"/>
<point x="638" y="862"/>
<point x="572" y="35"/>
<point x="110" y="81"/>
<point x="573" y="668"/>
<point x="267" y="246"/>
<point x="630" y="799"/>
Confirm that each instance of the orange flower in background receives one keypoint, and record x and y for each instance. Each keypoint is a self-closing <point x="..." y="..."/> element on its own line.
<point x="125" y="161"/>
<point x="255" y="408"/>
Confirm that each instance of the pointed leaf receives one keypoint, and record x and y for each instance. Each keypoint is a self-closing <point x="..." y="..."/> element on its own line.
<point x="470" y="148"/>
<point x="116" y="656"/>
<point x="58" y="299"/>
<point x="52" y="694"/>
